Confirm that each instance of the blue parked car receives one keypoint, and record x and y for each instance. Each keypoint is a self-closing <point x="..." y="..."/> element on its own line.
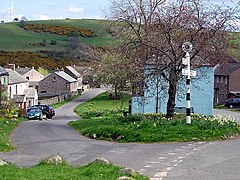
<point x="34" y="113"/>
<point x="47" y="111"/>
<point x="232" y="102"/>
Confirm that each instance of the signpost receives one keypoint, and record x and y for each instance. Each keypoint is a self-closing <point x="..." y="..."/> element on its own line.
<point x="187" y="48"/>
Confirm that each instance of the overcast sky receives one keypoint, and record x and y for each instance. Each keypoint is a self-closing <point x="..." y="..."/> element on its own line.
<point x="58" y="9"/>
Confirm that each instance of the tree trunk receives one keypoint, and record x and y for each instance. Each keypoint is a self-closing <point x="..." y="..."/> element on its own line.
<point x="157" y="97"/>
<point x="115" y="90"/>
<point x="172" y="90"/>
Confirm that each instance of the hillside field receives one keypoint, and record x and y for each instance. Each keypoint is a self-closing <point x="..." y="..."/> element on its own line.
<point x="15" y="38"/>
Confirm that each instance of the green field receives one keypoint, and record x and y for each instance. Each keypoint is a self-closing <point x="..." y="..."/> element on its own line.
<point x="15" y="38"/>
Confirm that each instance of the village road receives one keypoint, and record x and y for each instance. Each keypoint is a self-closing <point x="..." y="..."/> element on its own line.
<point x="227" y="113"/>
<point x="37" y="140"/>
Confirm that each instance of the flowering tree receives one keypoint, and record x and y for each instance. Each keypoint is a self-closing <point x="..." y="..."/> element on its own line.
<point x="151" y="33"/>
<point x="115" y="69"/>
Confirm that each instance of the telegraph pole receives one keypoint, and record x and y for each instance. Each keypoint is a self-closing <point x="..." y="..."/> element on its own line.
<point x="187" y="48"/>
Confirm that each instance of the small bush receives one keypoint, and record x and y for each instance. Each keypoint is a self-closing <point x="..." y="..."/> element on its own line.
<point x="9" y="109"/>
<point x="53" y="42"/>
<point x="22" y="113"/>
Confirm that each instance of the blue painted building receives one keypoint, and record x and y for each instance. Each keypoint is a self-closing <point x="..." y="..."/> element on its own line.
<point x="202" y="94"/>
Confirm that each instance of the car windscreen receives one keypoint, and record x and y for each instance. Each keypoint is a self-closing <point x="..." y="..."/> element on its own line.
<point x="34" y="110"/>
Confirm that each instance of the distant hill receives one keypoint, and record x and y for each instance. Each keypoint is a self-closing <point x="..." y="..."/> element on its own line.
<point x="16" y="38"/>
<point x="45" y="42"/>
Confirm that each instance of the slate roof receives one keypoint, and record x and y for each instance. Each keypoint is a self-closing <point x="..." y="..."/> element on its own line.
<point x="3" y="72"/>
<point x="226" y="69"/>
<point x="15" y="77"/>
<point x="85" y="70"/>
<point x="71" y="69"/>
<point x="65" y="76"/>
<point x="22" y="70"/>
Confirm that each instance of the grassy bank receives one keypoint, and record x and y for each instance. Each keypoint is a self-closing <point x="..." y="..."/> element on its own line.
<point x="56" y="105"/>
<point x="6" y="128"/>
<point x="102" y="120"/>
<point x="64" y="171"/>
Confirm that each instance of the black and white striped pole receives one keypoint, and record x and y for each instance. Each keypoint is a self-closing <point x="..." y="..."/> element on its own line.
<point x="188" y="98"/>
<point x="187" y="48"/>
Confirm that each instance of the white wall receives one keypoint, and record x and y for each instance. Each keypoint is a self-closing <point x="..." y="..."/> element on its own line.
<point x="34" y="75"/>
<point x="17" y="89"/>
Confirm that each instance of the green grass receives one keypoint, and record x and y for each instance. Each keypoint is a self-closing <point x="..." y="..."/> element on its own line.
<point x="148" y="129"/>
<point x="44" y="171"/>
<point x="101" y="105"/>
<point x="15" y="38"/>
<point x="219" y="107"/>
<point x="56" y="105"/>
<point x="6" y="127"/>
<point x="103" y="121"/>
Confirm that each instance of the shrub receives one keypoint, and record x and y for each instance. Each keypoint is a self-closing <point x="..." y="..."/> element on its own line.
<point x="22" y="113"/>
<point x="53" y="42"/>
<point x="60" y="30"/>
<point x="9" y="109"/>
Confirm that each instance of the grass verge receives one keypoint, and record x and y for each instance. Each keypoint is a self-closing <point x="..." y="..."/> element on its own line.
<point x="6" y="127"/>
<point x="103" y="121"/>
<point x="102" y="106"/>
<point x="64" y="171"/>
<point x="56" y="105"/>
<point x="219" y="107"/>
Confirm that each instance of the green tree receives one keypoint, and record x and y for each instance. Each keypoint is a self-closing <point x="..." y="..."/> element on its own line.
<point x="115" y="70"/>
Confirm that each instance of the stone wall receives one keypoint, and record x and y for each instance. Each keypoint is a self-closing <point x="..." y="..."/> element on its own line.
<point x="221" y="91"/>
<point x="52" y="98"/>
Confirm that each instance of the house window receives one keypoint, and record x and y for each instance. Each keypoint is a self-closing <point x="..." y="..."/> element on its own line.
<point x="217" y="79"/>
<point x="68" y="87"/>
<point x="226" y="80"/>
<point x="5" y="81"/>
<point x="138" y="88"/>
<point x="217" y="96"/>
<point x="222" y="79"/>
<point x="54" y="79"/>
<point x="10" y="91"/>
<point x="27" y="77"/>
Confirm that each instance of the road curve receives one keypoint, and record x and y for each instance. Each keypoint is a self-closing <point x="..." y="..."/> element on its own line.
<point x="227" y="113"/>
<point x="37" y="140"/>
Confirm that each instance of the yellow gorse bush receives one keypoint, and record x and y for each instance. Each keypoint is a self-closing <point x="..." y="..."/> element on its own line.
<point x="60" y="30"/>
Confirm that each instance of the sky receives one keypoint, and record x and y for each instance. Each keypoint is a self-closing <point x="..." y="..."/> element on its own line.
<point x="59" y="9"/>
<point x="53" y="9"/>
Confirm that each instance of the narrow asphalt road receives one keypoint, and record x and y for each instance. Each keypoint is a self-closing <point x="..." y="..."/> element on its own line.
<point x="37" y="140"/>
<point x="227" y="113"/>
